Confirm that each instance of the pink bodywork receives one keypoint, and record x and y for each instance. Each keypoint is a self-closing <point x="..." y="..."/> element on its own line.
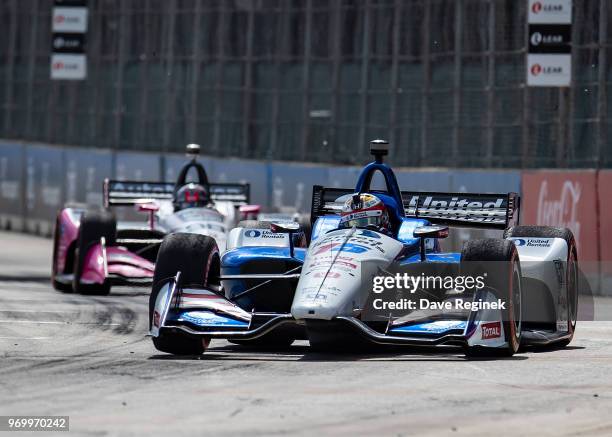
<point x="120" y="262"/>
<point x="249" y="212"/>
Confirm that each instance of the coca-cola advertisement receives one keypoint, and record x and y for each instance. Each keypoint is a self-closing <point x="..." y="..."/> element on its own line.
<point x="563" y="199"/>
<point x="604" y="184"/>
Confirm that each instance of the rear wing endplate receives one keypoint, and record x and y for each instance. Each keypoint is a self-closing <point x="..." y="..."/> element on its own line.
<point x="492" y="211"/>
<point x="126" y="193"/>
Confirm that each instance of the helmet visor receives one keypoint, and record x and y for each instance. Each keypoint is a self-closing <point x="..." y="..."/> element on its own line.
<point x="362" y="219"/>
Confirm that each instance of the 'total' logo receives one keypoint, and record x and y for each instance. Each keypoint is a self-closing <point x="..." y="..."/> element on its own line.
<point x="536" y="7"/>
<point x="536" y="69"/>
<point x="491" y="330"/>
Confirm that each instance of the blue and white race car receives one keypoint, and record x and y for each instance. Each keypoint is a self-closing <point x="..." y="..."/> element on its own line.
<point x="268" y="289"/>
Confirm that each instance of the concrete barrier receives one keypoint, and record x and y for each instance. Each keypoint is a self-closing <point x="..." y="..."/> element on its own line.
<point x="37" y="179"/>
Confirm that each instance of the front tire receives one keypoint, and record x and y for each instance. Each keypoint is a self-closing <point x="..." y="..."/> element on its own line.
<point x="499" y="260"/>
<point x="59" y="286"/>
<point x="571" y="270"/>
<point x="94" y="226"/>
<point x="197" y="258"/>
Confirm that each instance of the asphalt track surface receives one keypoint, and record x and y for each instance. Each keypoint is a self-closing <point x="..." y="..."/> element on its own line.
<point x="88" y="358"/>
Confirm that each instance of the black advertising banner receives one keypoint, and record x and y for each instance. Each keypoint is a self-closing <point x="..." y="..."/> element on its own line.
<point x="68" y="43"/>
<point x="550" y="38"/>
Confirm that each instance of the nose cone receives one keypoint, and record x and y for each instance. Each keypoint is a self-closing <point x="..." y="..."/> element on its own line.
<point x="313" y="309"/>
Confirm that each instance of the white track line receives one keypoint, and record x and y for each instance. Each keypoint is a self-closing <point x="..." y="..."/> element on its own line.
<point x="38" y="311"/>
<point x="47" y="322"/>
<point x="24" y="338"/>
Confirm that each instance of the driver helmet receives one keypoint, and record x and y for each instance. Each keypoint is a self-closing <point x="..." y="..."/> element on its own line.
<point x="191" y="196"/>
<point x="365" y="211"/>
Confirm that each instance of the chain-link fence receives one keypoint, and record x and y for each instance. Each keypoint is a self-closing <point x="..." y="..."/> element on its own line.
<point x="311" y="80"/>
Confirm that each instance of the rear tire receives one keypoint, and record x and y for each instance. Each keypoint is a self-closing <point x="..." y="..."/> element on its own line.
<point x="197" y="258"/>
<point x="477" y="258"/>
<point x="571" y="270"/>
<point x="94" y="225"/>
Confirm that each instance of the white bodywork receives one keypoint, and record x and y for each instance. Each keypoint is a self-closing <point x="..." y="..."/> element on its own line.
<point x="334" y="277"/>
<point x="213" y="221"/>
<point x="545" y="259"/>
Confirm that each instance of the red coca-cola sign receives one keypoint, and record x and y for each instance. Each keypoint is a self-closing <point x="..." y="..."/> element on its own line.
<point x="604" y="184"/>
<point x="565" y="199"/>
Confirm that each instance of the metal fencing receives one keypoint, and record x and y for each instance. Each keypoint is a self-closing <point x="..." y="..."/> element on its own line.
<point x="311" y="80"/>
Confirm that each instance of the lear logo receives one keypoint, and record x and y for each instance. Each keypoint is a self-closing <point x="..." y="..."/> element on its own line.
<point x="491" y="330"/>
<point x="537" y="7"/>
<point x="536" y="39"/>
<point x="253" y="233"/>
<point x="536" y="69"/>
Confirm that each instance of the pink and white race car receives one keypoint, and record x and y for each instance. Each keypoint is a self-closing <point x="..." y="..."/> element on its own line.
<point x="93" y="251"/>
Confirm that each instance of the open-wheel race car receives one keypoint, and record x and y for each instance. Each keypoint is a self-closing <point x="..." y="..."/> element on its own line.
<point x="92" y="250"/>
<point x="268" y="289"/>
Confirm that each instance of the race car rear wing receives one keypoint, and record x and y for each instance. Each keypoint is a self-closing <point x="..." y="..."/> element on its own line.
<point x="492" y="211"/>
<point x="126" y="193"/>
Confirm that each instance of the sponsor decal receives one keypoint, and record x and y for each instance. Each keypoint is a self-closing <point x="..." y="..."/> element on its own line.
<point x="437" y="327"/>
<point x="331" y="275"/>
<point x="255" y="233"/>
<point x="459" y="208"/>
<point x="68" y="43"/>
<point x="348" y="247"/>
<point x="68" y="66"/>
<point x="533" y="242"/>
<point x="549" y="69"/>
<point x="317" y="296"/>
<point x="204" y="318"/>
<point x="69" y="19"/>
<point x="550" y="38"/>
<point x="491" y="330"/>
<point x="550" y="11"/>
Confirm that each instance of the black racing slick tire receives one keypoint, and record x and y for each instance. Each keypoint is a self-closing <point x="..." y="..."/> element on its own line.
<point x="94" y="226"/>
<point x="498" y="261"/>
<point x="59" y="286"/>
<point x="571" y="270"/>
<point x="197" y="258"/>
